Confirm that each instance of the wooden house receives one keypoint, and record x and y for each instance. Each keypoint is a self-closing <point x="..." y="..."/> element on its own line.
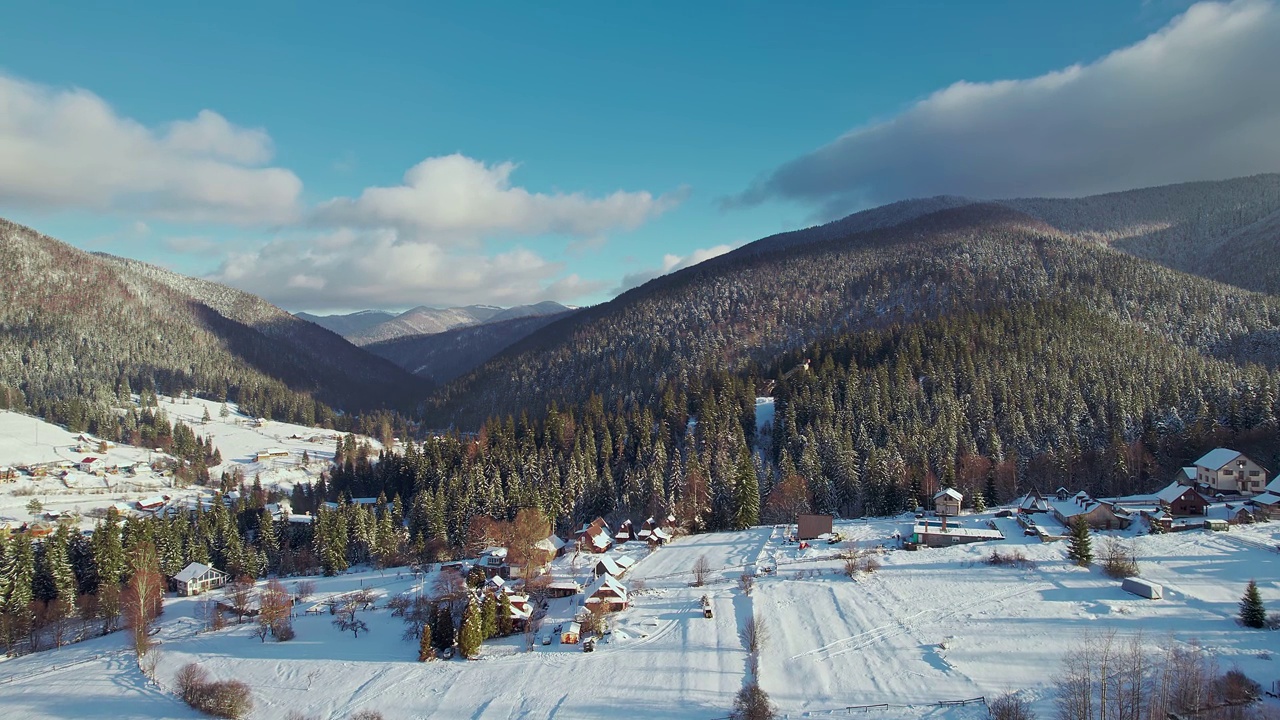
<point x="1182" y="501"/>
<point x="197" y="578"/>
<point x="562" y="589"/>
<point x="596" y="539"/>
<point x="625" y="532"/>
<point x="1098" y="515"/>
<point x="551" y="546"/>
<point x="653" y="533"/>
<point x="947" y="502"/>
<point x="606" y="593"/>
<point x="1226" y="471"/>
<point x="1033" y="502"/>
<point x="94" y="465"/>
<point x="521" y="611"/>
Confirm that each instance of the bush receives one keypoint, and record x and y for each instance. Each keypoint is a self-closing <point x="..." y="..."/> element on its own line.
<point x="1010" y="707"/>
<point x="1118" y="561"/>
<point x="752" y="703"/>
<point x="223" y="698"/>
<point x="1015" y="558"/>
<point x="284" y="632"/>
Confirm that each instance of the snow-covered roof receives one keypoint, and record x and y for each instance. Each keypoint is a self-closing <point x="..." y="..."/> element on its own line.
<point x="1173" y="492"/>
<point x="1267" y="498"/>
<point x="89" y="461"/>
<point x="985" y="533"/>
<point x="661" y="534"/>
<point x="300" y="519"/>
<point x="1034" y="501"/>
<point x="195" y="570"/>
<point x="610" y="567"/>
<point x="495" y="551"/>
<point x="1216" y="458"/>
<point x="624" y="561"/>
<point x="607" y="585"/>
<point x="550" y="543"/>
<point x="1274" y="486"/>
<point x="948" y="492"/>
<point x="153" y="501"/>
<point x="1187" y="475"/>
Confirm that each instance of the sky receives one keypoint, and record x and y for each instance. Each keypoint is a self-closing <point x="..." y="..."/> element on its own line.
<point x="335" y="157"/>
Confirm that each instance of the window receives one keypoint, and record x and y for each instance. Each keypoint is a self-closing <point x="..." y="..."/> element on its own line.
<point x="1253" y="473"/>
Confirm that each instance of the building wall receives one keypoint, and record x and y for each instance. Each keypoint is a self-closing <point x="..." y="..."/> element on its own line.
<point x="809" y="527"/>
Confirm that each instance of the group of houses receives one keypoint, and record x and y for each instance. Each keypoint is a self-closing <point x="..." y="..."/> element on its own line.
<point x="595" y="536"/>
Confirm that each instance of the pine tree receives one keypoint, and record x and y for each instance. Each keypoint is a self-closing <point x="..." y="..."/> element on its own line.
<point x="1252" y="612"/>
<point x="470" y="635"/>
<point x="18" y="572"/>
<point x="425" y="650"/>
<point x="1080" y="548"/>
<point x="489" y="617"/>
<point x="979" y="502"/>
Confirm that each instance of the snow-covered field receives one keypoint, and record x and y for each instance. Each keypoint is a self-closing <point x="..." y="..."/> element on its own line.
<point x="929" y="626"/>
<point x="25" y="440"/>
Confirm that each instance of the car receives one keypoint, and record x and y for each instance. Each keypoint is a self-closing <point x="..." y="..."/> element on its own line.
<point x="1004" y="513"/>
<point x="589" y="645"/>
<point x="546" y="638"/>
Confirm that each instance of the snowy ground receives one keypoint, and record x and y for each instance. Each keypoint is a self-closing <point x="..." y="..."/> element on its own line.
<point x="27" y="440"/>
<point x="929" y="626"/>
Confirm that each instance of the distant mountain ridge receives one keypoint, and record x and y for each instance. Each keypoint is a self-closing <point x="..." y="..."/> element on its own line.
<point x="374" y="326"/>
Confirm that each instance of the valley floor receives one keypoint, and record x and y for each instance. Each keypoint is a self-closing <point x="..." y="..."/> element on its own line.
<point x="928" y="626"/>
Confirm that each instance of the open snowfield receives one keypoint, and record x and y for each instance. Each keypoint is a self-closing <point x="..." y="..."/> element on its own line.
<point x="26" y="440"/>
<point x="929" y="626"/>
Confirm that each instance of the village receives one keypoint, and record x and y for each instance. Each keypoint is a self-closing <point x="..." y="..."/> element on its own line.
<point x="901" y="614"/>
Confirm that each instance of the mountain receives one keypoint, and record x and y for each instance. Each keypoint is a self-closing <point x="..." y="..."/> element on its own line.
<point x="424" y="320"/>
<point x="351" y="323"/>
<point x="442" y="357"/>
<point x="742" y="312"/>
<point x="78" y="327"/>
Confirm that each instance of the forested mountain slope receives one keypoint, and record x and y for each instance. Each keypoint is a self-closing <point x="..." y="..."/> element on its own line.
<point x="428" y="321"/>
<point x="351" y="323"/>
<point x="77" y="329"/>
<point x="742" y="312"/>
<point x="442" y="357"/>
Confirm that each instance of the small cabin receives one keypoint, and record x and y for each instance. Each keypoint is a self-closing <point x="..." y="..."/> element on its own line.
<point x="1182" y="501"/>
<point x="571" y="634"/>
<point x="946" y="502"/>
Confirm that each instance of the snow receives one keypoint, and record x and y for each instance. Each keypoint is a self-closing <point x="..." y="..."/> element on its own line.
<point x="928" y="626"/>
<point x="26" y="440"/>
<point x="1216" y="458"/>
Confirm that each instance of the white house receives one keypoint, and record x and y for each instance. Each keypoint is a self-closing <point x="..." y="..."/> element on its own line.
<point x="947" y="501"/>
<point x="1226" y="471"/>
<point x="198" y="577"/>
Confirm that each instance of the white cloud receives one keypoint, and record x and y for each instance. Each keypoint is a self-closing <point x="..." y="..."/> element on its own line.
<point x="375" y="269"/>
<point x="458" y="199"/>
<point x="670" y="264"/>
<point x="1199" y="99"/>
<point x="68" y="149"/>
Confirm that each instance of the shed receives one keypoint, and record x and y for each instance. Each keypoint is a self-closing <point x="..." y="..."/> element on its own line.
<point x="569" y="636"/>
<point x="809" y="527"/>
<point x="1215" y="525"/>
<point x="1142" y="588"/>
<point x="198" y="577"/>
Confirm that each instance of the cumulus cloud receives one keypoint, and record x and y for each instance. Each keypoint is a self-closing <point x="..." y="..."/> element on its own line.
<point x="62" y="149"/>
<point x="1199" y="99"/>
<point x="456" y="198"/>
<point x="670" y="264"/>
<point x="350" y="268"/>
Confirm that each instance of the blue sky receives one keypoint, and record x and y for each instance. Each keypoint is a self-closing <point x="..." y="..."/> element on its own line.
<point x="563" y="150"/>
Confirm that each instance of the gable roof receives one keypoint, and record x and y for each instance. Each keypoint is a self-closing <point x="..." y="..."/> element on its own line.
<point x="1274" y="486"/>
<point x="608" y="585"/>
<point x="195" y="570"/>
<point x="948" y="492"/>
<point x="1187" y="474"/>
<point x="1173" y="492"/>
<point x="610" y="567"/>
<point x="1216" y="458"/>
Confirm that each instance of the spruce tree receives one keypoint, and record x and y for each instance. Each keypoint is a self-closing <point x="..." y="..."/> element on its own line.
<point x="505" y="625"/>
<point x="1252" y="612"/>
<point x="442" y="631"/>
<point x="470" y="635"/>
<point x="747" y="488"/>
<point x="1080" y="547"/>
<point x="489" y="617"/>
<point x="18" y="571"/>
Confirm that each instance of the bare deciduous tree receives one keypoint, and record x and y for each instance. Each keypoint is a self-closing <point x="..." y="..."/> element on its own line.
<point x="304" y="589"/>
<point x="746" y="582"/>
<point x="347" y="620"/>
<point x="274" y="607"/>
<point x="142" y="599"/>
<point x="755" y="633"/>
<point x="1010" y="707"/>
<point x="238" y="595"/>
<point x="701" y="569"/>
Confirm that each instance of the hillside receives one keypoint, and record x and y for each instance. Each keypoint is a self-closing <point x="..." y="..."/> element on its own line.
<point x="350" y="323"/>
<point x="79" y="328"/>
<point x="445" y="356"/>
<point x="740" y="313"/>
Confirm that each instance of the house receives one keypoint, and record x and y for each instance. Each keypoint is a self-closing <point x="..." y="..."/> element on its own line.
<point x="7" y="473"/>
<point x="562" y="589"/>
<point x="496" y="584"/>
<point x="1181" y="500"/>
<point x="521" y="611"/>
<point x="947" y="501"/>
<point x="608" y="565"/>
<point x="1034" y="502"/>
<point x="493" y="561"/>
<point x="940" y="535"/>
<point x="196" y="578"/>
<point x="1229" y="472"/>
<point x="151" y="504"/>
<point x="552" y="545"/>
<point x="595" y="539"/>
<point x="809" y="527"/>
<point x="653" y="533"/>
<point x="1099" y="515"/>
<point x="1185" y="476"/>
<point x="606" y="593"/>
<point x="1268" y="503"/>
<point x="625" y="532"/>
<point x="271" y="454"/>
<point x="96" y="466"/>
<point x="570" y="634"/>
